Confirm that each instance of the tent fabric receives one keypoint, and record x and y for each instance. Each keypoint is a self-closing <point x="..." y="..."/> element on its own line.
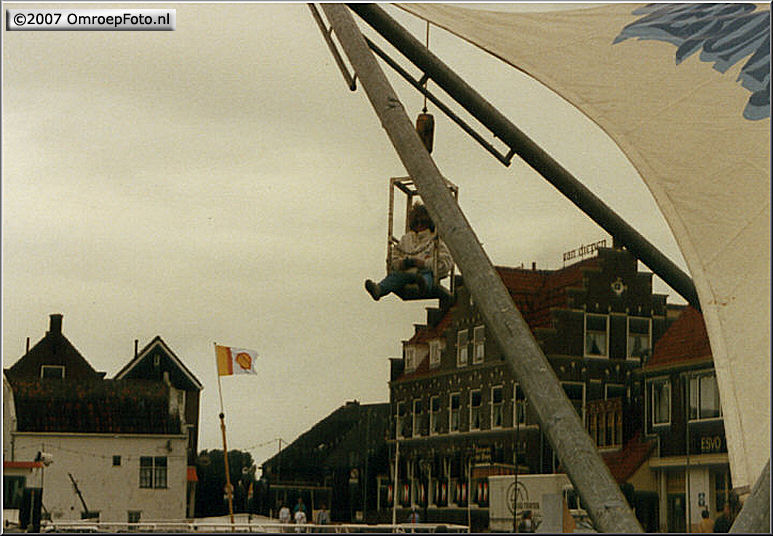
<point x="684" y="91"/>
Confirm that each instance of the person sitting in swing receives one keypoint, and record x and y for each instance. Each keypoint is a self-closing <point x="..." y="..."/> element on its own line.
<point x="413" y="258"/>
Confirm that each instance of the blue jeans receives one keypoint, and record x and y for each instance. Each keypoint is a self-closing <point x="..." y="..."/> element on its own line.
<point x="397" y="280"/>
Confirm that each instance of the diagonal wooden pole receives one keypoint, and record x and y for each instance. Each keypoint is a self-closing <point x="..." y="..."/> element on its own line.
<point x="557" y="416"/>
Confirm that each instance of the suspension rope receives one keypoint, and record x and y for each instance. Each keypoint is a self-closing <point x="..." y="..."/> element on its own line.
<point x="426" y="80"/>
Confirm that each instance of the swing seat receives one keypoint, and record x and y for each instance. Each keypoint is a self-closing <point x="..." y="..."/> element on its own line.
<point x="411" y="292"/>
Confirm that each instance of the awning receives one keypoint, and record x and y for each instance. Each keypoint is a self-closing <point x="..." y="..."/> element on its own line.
<point x="192" y="476"/>
<point x="22" y="465"/>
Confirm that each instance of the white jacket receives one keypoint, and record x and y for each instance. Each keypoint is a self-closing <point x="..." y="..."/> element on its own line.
<point x="421" y="246"/>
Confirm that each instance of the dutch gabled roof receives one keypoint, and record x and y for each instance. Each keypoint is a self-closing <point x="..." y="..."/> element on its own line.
<point x="53" y="349"/>
<point x="686" y="341"/>
<point x="142" y="366"/>
<point x="535" y="293"/>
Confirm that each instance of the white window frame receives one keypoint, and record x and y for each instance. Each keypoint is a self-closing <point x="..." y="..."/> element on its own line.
<point x="478" y="344"/>
<point x="516" y="405"/>
<point x="629" y="348"/>
<point x="155" y="471"/>
<point x="605" y="353"/>
<point x="434" y="415"/>
<point x="666" y="382"/>
<point x="478" y="408"/>
<point x="435" y="353"/>
<point x="696" y="377"/>
<point x="400" y="419"/>
<point x="43" y="368"/>
<point x="451" y="412"/>
<point x="500" y="405"/>
<point x="410" y="357"/>
<point x="462" y="349"/>
<point x="415" y="416"/>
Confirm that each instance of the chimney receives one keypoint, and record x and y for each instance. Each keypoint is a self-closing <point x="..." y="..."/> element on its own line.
<point x="533" y="266"/>
<point x="136" y="346"/>
<point x="56" y="323"/>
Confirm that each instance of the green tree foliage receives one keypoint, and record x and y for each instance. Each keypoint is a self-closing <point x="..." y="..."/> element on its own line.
<point x="210" y="495"/>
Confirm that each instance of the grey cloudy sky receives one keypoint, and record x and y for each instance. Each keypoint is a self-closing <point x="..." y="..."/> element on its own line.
<point x="220" y="183"/>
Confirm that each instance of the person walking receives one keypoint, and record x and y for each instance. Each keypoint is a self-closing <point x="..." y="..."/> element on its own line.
<point x="725" y="519"/>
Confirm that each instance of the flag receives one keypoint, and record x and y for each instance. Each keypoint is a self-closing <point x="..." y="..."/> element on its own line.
<point x="232" y="360"/>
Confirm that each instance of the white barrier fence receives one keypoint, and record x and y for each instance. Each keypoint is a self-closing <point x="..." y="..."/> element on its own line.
<point x="257" y="527"/>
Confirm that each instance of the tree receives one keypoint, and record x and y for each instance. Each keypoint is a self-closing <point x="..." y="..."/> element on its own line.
<point x="210" y="498"/>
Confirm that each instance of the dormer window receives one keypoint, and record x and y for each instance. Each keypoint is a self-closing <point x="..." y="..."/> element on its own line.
<point x="434" y="353"/>
<point x="52" y="371"/>
<point x="479" y="340"/>
<point x="410" y="358"/>
<point x="462" y="339"/>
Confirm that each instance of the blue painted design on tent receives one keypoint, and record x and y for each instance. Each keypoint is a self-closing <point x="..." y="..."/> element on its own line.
<point x="723" y="33"/>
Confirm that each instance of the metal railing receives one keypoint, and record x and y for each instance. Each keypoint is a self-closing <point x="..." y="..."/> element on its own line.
<point x="256" y="527"/>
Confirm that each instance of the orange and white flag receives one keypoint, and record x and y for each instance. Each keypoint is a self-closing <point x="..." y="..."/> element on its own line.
<point x="232" y="360"/>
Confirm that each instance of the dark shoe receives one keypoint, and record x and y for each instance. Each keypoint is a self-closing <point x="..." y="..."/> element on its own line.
<point x="373" y="289"/>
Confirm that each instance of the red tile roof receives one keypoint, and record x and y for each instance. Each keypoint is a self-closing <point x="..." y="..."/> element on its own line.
<point x="535" y="293"/>
<point x="624" y="462"/>
<point x="685" y="340"/>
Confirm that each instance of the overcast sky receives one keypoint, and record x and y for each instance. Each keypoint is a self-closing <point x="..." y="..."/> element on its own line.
<point x="220" y="183"/>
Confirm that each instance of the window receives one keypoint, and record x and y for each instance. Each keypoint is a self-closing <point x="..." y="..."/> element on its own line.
<point x="401" y="412"/>
<point x="575" y="392"/>
<point x="475" y="403"/>
<point x="116" y="460"/>
<point x="153" y="472"/>
<point x="496" y="406"/>
<point x="704" y="397"/>
<point x="596" y="335"/>
<point x="639" y="344"/>
<point x="434" y="353"/>
<point x="661" y="401"/>
<point x="13" y="491"/>
<point x="416" y="426"/>
<point x="519" y="405"/>
<point x="434" y="415"/>
<point x="593" y="428"/>
<point x="722" y="488"/>
<point x="410" y="358"/>
<point x="462" y="339"/>
<point x="52" y="372"/>
<point x="479" y="340"/>
<point x="454" y="403"/>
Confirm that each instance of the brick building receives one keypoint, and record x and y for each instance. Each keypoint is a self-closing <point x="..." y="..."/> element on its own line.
<point x="459" y="414"/>
<point x="683" y="416"/>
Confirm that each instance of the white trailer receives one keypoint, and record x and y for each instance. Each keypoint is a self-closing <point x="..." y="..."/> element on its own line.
<point x="546" y="496"/>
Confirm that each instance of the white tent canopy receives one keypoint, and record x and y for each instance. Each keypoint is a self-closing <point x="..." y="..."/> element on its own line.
<point x="689" y="105"/>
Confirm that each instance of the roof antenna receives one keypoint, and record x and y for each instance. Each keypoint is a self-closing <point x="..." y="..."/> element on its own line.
<point x="425" y="123"/>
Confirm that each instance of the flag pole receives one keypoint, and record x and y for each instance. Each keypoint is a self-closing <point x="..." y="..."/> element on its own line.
<point x="228" y="487"/>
